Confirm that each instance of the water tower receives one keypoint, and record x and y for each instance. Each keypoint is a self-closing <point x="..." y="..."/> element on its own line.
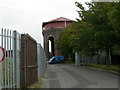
<point x="51" y="31"/>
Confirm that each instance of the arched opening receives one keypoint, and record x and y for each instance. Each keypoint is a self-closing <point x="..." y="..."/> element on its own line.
<point x="51" y="47"/>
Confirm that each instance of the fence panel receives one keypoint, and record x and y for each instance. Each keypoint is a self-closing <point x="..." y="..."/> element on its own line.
<point x="29" y="61"/>
<point x="10" y="67"/>
<point x="41" y="61"/>
<point x="91" y="60"/>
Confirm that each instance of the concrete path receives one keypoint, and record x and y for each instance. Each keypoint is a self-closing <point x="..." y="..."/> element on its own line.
<point x="71" y="76"/>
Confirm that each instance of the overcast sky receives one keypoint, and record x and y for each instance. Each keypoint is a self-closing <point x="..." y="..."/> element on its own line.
<point x="26" y="16"/>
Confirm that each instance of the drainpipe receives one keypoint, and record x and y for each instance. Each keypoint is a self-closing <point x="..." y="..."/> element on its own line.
<point x="65" y="24"/>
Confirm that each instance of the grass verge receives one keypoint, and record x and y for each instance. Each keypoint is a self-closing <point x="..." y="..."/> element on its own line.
<point x="37" y="84"/>
<point x="115" y="68"/>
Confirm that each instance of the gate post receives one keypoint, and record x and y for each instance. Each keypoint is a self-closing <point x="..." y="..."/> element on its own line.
<point x="77" y="59"/>
<point x="16" y="48"/>
<point x="14" y="55"/>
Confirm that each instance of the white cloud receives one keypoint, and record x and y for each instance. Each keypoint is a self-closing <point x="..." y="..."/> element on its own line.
<point x="28" y="15"/>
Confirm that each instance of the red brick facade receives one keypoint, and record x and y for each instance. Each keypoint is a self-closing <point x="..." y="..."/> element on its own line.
<point x="52" y="29"/>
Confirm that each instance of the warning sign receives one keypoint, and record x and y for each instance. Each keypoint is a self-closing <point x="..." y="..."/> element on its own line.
<point x="2" y="54"/>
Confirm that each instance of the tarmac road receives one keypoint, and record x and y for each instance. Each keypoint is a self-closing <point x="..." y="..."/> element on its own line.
<point x="71" y="76"/>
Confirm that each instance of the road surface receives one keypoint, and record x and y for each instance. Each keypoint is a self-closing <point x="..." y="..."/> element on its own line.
<point x="71" y="76"/>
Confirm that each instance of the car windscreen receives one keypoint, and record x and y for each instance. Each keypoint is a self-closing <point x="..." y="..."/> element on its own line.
<point x="52" y="59"/>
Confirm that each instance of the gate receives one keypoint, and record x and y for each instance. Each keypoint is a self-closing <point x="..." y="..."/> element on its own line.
<point x="10" y="67"/>
<point x="24" y="62"/>
<point x="28" y="61"/>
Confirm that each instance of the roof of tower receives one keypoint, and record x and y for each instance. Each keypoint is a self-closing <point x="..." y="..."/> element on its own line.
<point x="57" y="19"/>
<point x="60" y="19"/>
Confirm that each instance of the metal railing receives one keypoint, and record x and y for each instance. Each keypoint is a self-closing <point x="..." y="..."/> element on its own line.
<point x="10" y="67"/>
<point x="41" y="60"/>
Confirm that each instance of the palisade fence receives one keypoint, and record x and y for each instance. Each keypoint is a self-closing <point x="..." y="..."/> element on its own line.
<point x="10" y="67"/>
<point x="41" y="61"/>
<point x="89" y="60"/>
<point x="15" y="68"/>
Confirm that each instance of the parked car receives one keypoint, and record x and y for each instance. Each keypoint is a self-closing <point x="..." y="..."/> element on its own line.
<point x="56" y="59"/>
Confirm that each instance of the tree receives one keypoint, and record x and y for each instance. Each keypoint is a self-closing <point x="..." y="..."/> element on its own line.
<point x="114" y="21"/>
<point x="64" y="42"/>
<point x="96" y="30"/>
<point x="104" y="38"/>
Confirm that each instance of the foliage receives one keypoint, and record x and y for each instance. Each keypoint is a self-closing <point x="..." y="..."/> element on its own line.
<point x="64" y="42"/>
<point x="96" y="30"/>
<point x="104" y="36"/>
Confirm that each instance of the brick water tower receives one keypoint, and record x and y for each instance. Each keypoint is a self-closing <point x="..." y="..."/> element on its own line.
<point x="51" y="31"/>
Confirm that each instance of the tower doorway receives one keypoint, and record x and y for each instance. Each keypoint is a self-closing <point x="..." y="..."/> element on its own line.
<point x="51" y="47"/>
